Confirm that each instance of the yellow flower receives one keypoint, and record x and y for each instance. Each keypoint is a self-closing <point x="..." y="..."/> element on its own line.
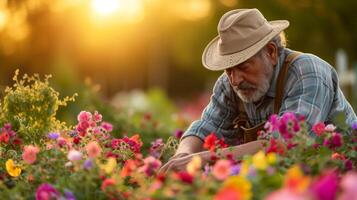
<point x="240" y="185"/>
<point x="296" y="180"/>
<point x="12" y="169"/>
<point x="260" y="161"/>
<point x="194" y="165"/>
<point x="271" y="157"/>
<point x="110" y="165"/>
<point x="244" y="169"/>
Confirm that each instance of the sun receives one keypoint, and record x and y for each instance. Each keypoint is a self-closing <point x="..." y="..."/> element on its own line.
<point x="105" y="7"/>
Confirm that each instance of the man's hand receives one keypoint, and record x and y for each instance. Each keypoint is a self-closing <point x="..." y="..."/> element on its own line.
<point x="183" y="155"/>
<point x="180" y="163"/>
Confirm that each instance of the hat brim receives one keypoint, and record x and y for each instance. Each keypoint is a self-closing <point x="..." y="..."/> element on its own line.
<point x="212" y="60"/>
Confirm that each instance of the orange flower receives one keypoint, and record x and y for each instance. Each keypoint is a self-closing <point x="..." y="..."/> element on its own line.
<point x="296" y="180"/>
<point x="235" y="188"/>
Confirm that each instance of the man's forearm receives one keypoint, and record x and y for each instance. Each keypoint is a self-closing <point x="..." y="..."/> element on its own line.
<point x="237" y="151"/>
<point x="189" y="145"/>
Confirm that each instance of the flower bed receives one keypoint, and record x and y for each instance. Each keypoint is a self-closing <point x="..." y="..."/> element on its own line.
<point x="85" y="161"/>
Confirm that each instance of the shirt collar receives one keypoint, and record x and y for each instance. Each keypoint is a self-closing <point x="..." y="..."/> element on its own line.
<point x="272" y="89"/>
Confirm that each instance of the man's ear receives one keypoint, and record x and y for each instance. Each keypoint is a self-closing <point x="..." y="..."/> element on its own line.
<point x="272" y="52"/>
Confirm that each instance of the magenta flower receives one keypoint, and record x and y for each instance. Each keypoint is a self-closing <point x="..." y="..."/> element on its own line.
<point x="325" y="187"/>
<point x="178" y="134"/>
<point x="46" y="192"/>
<point x="334" y="141"/>
<point x="107" y="126"/>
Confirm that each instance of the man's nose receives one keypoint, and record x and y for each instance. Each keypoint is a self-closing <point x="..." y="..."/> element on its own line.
<point x="236" y="77"/>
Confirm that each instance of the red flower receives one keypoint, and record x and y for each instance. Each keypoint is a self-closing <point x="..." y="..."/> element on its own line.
<point x="106" y="183"/>
<point x="319" y="128"/>
<point x="276" y="147"/>
<point x="4" y="137"/>
<point x="17" y="141"/>
<point x="210" y="142"/>
<point x="76" y="140"/>
<point x="185" y="177"/>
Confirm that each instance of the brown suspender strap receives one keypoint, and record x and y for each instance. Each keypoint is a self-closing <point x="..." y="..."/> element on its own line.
<point x="250" y="134"/>
<point x="281" y="80"/>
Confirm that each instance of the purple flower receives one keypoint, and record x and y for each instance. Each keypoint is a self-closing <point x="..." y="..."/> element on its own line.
<point x="354" y="126"/>
<point x="69" y="195"/>
<point x="53" y="135"/>
<point x="46" y="191"/>
<point x="235" y="169"/>
<point x="326" y="186"/>
<point x="88" y="164"/>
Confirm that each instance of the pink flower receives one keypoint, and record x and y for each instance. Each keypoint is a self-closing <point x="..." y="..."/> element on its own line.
<point x="319" y="128"/>
<point x="285" y="194"/>
<point x="84" y="116"/>
<point x="222" y="169"/>
<point x="93" y="149"/>
<point x="30" y="153"/>
<point x="97" y="117"/>
<point x="150" y="165"/>
<point x="107" y="126"/>
<point x="349" y="185"/>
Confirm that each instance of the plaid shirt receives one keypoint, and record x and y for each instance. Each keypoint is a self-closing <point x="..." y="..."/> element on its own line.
<point x="311" y="89"/>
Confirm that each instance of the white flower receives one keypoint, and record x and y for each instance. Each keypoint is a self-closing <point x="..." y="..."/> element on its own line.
<point x="330" y="128"/>
<point x="74" y="155"/>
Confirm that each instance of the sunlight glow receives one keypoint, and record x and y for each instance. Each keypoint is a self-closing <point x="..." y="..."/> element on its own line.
<point x="105" y="7"/>
<point x="192" y="9"/>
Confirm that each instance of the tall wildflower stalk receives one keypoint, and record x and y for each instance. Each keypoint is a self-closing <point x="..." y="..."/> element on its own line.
<point x="30" y="105"/>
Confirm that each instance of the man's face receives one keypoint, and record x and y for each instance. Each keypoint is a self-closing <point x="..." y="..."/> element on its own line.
<point x="251" y="79"/>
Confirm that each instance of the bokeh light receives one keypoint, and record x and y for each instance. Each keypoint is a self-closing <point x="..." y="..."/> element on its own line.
<point x="105" y="7"/>
<point x="192" y="9"/>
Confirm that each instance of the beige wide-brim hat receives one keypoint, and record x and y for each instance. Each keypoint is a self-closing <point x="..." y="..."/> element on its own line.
<point x="242" y="33"/>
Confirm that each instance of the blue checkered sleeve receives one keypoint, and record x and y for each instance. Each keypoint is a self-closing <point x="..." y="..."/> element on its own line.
<point x="313" y="92"/>
<point x="219" y="114"/>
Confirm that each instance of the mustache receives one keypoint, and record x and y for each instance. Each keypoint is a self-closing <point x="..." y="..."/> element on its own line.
<point x="245" y="85"/>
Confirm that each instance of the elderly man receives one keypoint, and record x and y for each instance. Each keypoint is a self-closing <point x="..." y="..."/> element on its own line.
<point x="261" y="77"/>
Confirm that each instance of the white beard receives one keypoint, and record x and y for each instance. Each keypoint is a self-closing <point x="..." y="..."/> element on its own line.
<point x="260" y="90"/>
